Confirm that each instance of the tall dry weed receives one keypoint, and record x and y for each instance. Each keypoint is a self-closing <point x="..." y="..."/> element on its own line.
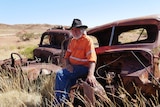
<point x="17" y="91"/>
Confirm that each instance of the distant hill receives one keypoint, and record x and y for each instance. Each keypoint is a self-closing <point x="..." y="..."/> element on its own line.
<point x="6" y="30"/>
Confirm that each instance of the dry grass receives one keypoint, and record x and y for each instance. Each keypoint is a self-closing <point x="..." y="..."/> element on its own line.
<point x="13" y="44"/>
<point x="18" y="91"/>
<point x="18" y="98"/>
<point x="9" y="42"/>
<point x="14" y="91"/>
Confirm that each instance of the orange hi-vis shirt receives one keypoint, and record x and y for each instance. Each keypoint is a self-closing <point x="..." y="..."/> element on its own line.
<point x="81" y="51"/>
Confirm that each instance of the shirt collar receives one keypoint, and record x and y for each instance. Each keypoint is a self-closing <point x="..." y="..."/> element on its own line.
<point x="83" y="35"/>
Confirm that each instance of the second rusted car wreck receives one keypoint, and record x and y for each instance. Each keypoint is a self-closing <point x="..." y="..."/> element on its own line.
<point x="53" y="44"/>
<point x="47" y="58"/>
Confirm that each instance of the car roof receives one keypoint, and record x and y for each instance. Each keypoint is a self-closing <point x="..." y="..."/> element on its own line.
<point x="151" y="19"/>
<point x="62" y="31"/>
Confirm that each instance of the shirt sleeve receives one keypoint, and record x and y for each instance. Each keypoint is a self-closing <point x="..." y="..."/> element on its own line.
<point x="90" y="52"/>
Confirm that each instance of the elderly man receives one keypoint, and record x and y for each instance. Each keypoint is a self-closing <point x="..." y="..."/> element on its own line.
<point x="80" y="61"/>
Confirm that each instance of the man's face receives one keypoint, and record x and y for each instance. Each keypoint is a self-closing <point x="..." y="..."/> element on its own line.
<point x="76" y="32"/>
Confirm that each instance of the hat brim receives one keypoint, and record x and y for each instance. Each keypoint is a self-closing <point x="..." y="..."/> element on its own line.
<point x="79" y="26"/>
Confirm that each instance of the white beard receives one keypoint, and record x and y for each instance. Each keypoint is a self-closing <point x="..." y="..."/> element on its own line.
<point x="77" y="37"/>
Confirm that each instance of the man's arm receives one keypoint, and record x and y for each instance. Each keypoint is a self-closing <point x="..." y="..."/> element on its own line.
<point x="91" y="68"/>
<point x="90" y="77"/>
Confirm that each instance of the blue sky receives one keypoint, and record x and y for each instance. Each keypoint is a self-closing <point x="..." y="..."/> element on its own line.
<point x="62" y="12"/>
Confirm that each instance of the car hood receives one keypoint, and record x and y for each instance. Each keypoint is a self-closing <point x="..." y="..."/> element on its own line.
<point x="116" y="48"/>
<point x="50" y="50"/>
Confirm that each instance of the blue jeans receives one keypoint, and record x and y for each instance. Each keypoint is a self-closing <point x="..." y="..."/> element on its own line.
<point x="65" y="80"/>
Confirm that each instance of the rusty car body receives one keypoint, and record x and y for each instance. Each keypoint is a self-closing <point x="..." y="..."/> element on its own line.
<point x="129" y="54"/>
<point x="52" y="45"/>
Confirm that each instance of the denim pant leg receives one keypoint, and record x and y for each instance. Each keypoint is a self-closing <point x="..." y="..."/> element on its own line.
<point x="79" y="71"/>
<point x="62" y="81"/>
<point x="66" y="79"/>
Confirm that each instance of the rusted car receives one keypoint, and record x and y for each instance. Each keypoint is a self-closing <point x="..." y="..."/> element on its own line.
<point x="52" y="45"/>
<point x="48" y="56"/>
<point x="129" y="54"/>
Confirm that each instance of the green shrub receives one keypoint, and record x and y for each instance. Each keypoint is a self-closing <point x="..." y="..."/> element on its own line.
<point x="28" y="51"/>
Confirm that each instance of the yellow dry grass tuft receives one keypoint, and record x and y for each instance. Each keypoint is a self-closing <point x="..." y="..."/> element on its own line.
<point x="15" y="98"/>
<point x="14" y="93"/>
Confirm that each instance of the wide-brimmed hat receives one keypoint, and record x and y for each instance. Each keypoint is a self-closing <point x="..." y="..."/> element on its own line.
<point x="78" y="24"/>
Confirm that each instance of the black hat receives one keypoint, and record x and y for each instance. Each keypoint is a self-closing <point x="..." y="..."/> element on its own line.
<point x="78" y="24"/>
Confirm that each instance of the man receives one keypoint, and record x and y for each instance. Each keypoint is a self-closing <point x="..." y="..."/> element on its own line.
<point x="80" y="61"/>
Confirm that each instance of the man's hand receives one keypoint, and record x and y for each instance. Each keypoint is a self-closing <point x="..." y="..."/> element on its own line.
<point x="91" y="79"/>
<point x="69" y="67"/>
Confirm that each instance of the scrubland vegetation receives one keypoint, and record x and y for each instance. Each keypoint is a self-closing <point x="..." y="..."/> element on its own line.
<point x="16" y="90"/>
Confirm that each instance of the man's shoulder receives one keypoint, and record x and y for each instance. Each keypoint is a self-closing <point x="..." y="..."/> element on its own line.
<point x="89" y="38"/>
